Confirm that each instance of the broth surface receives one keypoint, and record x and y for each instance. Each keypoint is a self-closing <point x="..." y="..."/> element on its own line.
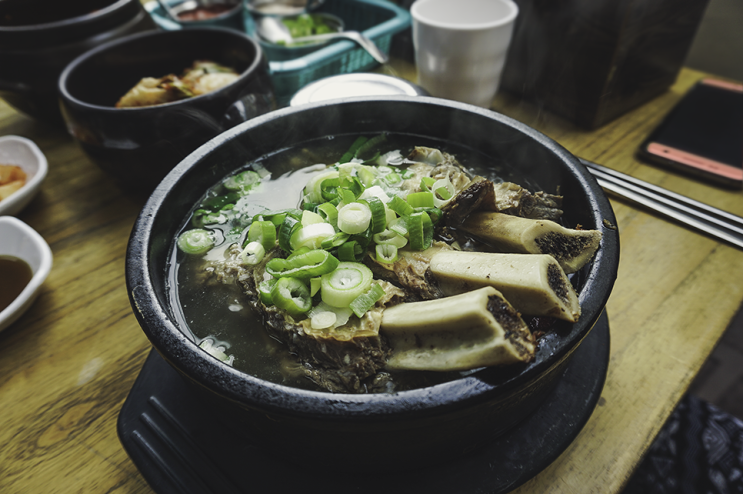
<point x="222" y="313"/>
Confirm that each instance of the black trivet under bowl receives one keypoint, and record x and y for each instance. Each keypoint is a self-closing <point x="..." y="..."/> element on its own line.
<point x="180" y="448"/>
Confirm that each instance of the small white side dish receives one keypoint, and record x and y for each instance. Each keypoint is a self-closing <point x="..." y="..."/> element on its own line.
<point x="19" y="151"/>
<point x="20" y="240"/>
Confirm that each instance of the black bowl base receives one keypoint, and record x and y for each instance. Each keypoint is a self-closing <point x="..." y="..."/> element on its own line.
<point x="179" y="448"/>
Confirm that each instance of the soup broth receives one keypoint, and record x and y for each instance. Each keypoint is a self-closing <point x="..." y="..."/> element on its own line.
<point x="221" y="313"/>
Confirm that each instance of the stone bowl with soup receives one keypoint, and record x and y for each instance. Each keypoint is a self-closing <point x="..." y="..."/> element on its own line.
<point x="433" y="381"/>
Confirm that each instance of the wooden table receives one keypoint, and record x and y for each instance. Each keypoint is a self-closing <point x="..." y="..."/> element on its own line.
<point x="69" y="363"/>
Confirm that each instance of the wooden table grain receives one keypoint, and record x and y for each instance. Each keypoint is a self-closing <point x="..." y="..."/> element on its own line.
<point x="67" y="365"/>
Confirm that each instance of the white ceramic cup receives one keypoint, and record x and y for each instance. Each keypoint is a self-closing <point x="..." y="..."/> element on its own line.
<point x="461" y="46"/>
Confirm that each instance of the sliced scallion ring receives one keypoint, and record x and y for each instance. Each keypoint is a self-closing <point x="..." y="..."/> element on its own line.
<point x="304" y="266"/>
<point x="292" y="295"/>
<point x="420" y="231"/>
<point x="263" y="232"/>
<point x="366" y="301"/>
<point x="443" y="191"/>
<point x="420" y="199"/>
<point x="323" y="320"/>
<point x="390" y="237"/>
<point x="196" y="241"/>
<point x="312" y="235"/>
<point x="386" y="253"/>
<point x="348" y="281"/>
<point x="253" y="253"/>
<point x="354" y="218"/>
<point x="400" y="206"/>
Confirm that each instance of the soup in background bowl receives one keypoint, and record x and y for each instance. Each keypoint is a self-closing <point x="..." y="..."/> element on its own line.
<point x="401" y="429"/>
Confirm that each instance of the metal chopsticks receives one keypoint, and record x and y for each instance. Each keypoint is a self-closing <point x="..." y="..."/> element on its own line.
<point x="703" y="217"/>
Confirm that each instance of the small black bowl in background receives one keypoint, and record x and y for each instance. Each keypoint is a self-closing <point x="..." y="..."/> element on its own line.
<point x="38" y="38"/>
<point x="139" y="146"/>
<point x="393" y="431"/>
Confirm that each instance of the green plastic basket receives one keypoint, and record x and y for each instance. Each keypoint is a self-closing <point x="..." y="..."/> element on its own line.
<point x="379" y="20"/>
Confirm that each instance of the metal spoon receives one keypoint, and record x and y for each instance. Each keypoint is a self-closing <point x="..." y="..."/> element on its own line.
<point x="274" y="31"/>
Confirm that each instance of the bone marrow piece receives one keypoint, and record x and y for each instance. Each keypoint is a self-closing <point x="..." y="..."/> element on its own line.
<point x="571" y="248"/>
<point x="475" y="329"/>
<point x="534" y="284"/>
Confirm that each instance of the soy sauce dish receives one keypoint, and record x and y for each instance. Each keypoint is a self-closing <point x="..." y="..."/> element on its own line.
<point x="392" y="430"/>
<point x="21" y="249"/>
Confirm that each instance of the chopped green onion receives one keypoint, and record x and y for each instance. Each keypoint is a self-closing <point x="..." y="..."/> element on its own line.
<point x="323" y="320"/>
<point x="335" y="241"/>
<point x="292" y="295"/>
<point x="400" y="226"/>
<point x="350" y="251"/>
<point x="427" y="183"/>
<point x="310" y="218"/>
<point x="443" y="190"/>
<point x="264" y="291"/>
<point x="217" y="352"/>
<point x="354" y="218"/>
<point x="392" y="178"/>
<point x="218" y="202"/>
<point x="341" y="286"/>
<point x="349" y="155"/>
<point x="243" y="181"/>
<point x="196" y="241"/>
<point x="328" y="212"/>
<point x="263" y="232"/>
<point x="307" y="265"/>
<point x="420" y="199"/>
<point x="378" y="214"/>
<point x="253" y="253"/>
<point x="390" y="237"/>
<point x="366" y="301"/>
<point x="203" y="217"/>
<point x="368" y="147"/>
<point x="342" y="314"/>
<point x="375" y="191"/>
<point x="367" y="175"/>
<point x="329" y="189"/>
<point x="286" y="230"/>
<point x="420" y="231"/>
<point x="400" y="206"/>
<point x="298" y="252"/>
<point x="315" y="284"/>
<point x="386" y="253"/>
<point x="312" y="235"/>
<point x="313" y="189"/>
<point x="346" y="196"/>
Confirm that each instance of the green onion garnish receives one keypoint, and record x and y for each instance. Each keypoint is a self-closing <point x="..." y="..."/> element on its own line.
<point x="292" y="295"/>
<point x="366" y="301"/>
<point x="310" y="264"/>
<point x="348" y="281"/>
<point x="196" y="241"/>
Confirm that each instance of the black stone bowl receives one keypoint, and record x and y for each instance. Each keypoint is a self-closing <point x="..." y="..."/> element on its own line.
<point x="38" y="38"/>
<point x="391" y="431"/>
<point x="139" y="146"/>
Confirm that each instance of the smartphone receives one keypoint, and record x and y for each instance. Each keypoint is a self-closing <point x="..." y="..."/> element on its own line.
<point x="703" y="134"/>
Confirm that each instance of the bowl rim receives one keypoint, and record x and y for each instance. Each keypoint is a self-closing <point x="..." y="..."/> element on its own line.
<point x="252" y="392"/>
<point x="198" y="31"/>
<point x="15" y="203"/>
<point x="40" y="272"/>
<point x="77" y="20"/>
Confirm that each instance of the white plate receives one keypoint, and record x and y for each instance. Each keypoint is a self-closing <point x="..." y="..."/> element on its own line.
<point x="22" y="152"/>
<point x="20" y="240"/>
